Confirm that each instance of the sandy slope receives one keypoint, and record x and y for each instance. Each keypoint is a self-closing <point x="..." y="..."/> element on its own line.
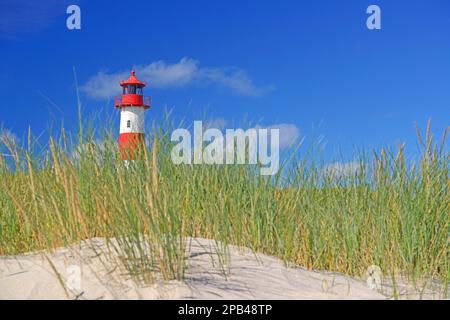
<point x="250" y="276"/>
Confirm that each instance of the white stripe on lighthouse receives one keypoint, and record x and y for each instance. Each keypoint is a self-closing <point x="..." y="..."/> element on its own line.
<point x="132" y="120"/>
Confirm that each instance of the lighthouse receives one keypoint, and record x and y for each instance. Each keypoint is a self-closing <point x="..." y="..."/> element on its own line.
<point x="132" y="104"/>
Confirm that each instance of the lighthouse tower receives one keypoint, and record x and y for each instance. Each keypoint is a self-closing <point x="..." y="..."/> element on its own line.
<point x="132" y="104"/>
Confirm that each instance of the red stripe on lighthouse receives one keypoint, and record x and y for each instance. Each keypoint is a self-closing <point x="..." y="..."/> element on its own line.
<point x="129" y="144"/>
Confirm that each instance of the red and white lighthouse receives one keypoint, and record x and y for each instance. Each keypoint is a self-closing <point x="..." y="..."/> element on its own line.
<point x="132" y="104"/>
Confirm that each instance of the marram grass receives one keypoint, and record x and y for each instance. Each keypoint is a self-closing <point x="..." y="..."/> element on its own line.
<point x="391" y="212"/>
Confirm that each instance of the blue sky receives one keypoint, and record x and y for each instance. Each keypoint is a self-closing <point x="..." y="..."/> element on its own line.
<point x="311" y="66"/>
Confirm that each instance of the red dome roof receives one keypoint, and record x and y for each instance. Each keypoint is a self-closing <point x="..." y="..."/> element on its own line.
<point x="132" y="80"/>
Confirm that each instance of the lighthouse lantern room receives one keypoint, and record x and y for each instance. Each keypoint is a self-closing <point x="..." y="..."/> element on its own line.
<point x="132" y="104"/>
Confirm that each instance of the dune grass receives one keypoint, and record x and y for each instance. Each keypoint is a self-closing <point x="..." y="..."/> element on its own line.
<point x="390" y="212"/>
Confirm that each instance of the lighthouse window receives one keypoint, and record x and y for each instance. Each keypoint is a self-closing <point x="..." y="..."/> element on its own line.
<point x="128" y="124"/>
<point x="132" y="89"/>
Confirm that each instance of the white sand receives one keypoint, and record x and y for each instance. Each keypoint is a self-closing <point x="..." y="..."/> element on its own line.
<point x="249" y="276"/>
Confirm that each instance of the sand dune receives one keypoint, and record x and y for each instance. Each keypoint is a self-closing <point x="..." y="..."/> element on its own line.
<point x="248" y="276"/>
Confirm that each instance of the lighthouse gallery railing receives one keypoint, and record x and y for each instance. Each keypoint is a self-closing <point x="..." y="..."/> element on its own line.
<point x="136" y="100"/>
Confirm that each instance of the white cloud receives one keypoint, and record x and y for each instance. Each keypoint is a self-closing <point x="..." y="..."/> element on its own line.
<point x="186" y="72"/>
<point x="161" y="75"/>
<point x="218" y="123"/>
<point x="104" y="85"/>
<point x="289" y="133"/>
<point x="342" y="169"/>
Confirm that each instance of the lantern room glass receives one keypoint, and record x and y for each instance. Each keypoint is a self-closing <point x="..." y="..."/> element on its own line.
<point x="132" y="89"/>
